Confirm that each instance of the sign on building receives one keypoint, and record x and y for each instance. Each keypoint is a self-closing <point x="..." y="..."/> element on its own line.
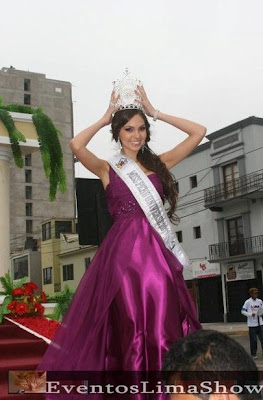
<point x="204" y="269"/>
<point x="240" y="271"/>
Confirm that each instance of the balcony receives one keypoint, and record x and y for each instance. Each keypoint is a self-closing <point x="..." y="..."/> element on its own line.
<point x="245" y="186"/>
<point x="241" y="248"/>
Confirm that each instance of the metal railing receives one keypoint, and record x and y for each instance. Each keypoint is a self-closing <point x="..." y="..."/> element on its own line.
<point x="239" y="247"/>
<point x="235" y="188"/>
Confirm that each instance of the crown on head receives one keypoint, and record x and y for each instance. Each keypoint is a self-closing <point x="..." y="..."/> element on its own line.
<point x="125" y="88"/>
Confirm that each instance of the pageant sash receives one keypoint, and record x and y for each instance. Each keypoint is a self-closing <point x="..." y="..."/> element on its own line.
<point x="150" y="202"/>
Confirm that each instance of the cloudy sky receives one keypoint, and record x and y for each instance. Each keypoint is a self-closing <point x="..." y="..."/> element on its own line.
<point x="198" y="59"/>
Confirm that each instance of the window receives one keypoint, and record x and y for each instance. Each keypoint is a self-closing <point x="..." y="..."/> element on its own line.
<point x="177" y="186"/>
<point x="68" y="274"/>
<point x="28" y="175"/>
<point x="87" y="262"/>
<point x="179" y="235"/>
<point x="197" y="232"/>
<point x="235" y="236"/>
<point x="58" y="90"/>
<point x="29" y="226"/>
<point x="28" y="160"/>
<point x="46" y="231"/>
<point x="27" y="99"/>
<point x="226" y="141"/>
<point x="62" y="227"/>
<point x="27" y="85"/>
<point x="20" y="267"/>
<point x="28" y="192"/>
<point x="29" y="208"/>
<point x="193" y="181"/>
<point x="47" y="275"/>
<point x="231" y="181"/>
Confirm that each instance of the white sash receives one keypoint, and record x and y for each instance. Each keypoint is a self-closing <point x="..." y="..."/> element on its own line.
<point x="150" y="202"/>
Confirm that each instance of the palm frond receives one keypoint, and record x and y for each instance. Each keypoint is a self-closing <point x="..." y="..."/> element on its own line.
<point x="20" y="282"/>
<point x="7" y="283"/>
<point x="3" y="309"/>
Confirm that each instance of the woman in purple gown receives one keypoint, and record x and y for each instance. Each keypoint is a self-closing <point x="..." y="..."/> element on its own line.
<point x="132" y="303"/>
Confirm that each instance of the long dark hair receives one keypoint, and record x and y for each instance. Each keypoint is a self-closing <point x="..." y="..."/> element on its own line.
<point x="148" y="158"/>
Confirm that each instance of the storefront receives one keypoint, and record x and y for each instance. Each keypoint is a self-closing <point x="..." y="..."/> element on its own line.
<point x="238" y="278"/>
<point x="206" y="290"/>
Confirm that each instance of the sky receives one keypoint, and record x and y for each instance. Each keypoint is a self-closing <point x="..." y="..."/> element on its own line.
<point x="198" y="59"/>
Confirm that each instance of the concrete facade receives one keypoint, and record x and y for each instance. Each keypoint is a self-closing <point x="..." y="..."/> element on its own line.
<point x="29" y="195"/>
<point x="75" y="256"/>
<point x="50" y="251"/>
<point x="220" y="202"/>
<point x="27" y="263"/>
<point x="63" y="260"/>
<point x="23" y="122"/>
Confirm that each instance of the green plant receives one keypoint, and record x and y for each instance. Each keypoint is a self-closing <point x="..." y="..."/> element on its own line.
<point x="15" y="137"/>
<point x="49" y="144"/>
<point x="63" y="300"/>
<point x="8" y="286"/>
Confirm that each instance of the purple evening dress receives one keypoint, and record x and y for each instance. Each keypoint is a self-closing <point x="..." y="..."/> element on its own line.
<point x="132" y="303"/>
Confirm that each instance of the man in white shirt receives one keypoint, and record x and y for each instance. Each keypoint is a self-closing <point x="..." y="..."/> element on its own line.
<point x="252" y="309"/>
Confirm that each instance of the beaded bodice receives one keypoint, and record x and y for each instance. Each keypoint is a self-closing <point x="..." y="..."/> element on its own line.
<point x="121" y="202"/>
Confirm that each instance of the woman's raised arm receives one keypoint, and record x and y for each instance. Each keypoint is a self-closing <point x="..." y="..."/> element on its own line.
<point x="196" y="132"/>
<point x="78" y="144"/>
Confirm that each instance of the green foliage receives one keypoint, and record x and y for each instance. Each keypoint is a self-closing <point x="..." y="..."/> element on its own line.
<point x="50" y="147"/>
<point x="3" y="309"/>
<point x="51" y="152"/>
<point x="63" y="300"/>
<point x="17" y="108"/>
<point x="9" y="285"/>
<point x="14" y="135"/>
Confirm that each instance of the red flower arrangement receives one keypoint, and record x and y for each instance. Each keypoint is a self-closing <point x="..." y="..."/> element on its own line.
<point x="26" y="302"/>
<point x="44" y="326"/>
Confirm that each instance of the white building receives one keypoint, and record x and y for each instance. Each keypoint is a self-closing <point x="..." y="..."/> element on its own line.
<point x="221" y="218"/>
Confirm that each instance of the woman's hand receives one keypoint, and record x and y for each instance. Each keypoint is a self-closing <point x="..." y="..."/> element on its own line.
<point x="148" y="108"/>
<point x="107" y="117"/>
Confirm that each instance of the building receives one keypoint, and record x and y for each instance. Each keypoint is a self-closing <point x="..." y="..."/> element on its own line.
<point x="63" y="260"/>
<point x="221" y="211"/>
<point x="50" y="250"/>
<point x="22" y="122"/>
<point x="29" y="195"/>
<point x="27" y="263"/>
<point x="74" y="260"/>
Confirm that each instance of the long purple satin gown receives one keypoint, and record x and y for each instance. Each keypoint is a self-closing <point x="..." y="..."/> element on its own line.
<point x="132" y="303"/>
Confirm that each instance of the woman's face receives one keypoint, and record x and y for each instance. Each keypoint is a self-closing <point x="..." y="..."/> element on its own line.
<point x="133" y="135"/>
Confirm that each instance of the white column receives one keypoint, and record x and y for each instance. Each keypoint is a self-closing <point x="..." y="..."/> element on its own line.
<point x="5" y="156"/>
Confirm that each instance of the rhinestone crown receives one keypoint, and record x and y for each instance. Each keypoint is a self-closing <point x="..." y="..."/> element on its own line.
<point x="125" y="88"/>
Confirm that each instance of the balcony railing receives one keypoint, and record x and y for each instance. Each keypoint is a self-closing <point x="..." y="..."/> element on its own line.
<point x="239" y="247"/>
<point x="237" y="187"/>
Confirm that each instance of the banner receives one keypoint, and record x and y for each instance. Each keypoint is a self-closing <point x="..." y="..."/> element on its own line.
<point x="240" y="271"/>
<point x="204" y="269"/>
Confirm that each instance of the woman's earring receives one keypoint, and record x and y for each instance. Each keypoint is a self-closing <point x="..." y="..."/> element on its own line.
<point x="143" y="148"/>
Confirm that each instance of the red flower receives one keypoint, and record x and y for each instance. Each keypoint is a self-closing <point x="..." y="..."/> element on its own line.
<point x="43" y="297"/>
<point x="43" y="326"/>
<point x="26" y="302"/>
<point x="39" y="308"/>
<point x="32" y="285"/>
<point x="17" y="292"/>
<point x="28" y="291"/>
<point x="12" y="306"/>
<point x="21" y="308"/>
